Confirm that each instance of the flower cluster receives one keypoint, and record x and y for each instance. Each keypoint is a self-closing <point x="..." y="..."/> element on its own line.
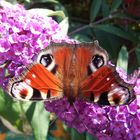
<point x="22" y="35"/>
<point x="106" y="123"/>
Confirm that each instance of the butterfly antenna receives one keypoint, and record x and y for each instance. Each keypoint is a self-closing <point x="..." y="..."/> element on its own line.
<point x="78" y="114"/>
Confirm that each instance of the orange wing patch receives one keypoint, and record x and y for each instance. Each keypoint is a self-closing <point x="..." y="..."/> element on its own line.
<point x="43" y="80"/>
<point x="40" y="78"/>
<point x="105" y="87"/>
<point x="97" y="82"/>
<point x="35" y="83"/>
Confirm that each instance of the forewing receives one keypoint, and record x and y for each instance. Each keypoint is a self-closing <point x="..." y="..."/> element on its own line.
<point x="35" y="83"/>
<point x="105" y="87"/>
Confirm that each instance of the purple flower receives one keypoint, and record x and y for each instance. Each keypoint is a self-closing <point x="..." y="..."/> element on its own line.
<point x="106" y="123"/>
<point x="22" y="35"/>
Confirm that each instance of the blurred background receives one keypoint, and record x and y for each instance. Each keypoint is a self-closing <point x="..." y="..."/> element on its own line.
<point x="115" y="23"/>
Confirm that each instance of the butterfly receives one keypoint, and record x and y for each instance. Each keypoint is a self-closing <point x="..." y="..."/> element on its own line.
<point x="75" y="71"/>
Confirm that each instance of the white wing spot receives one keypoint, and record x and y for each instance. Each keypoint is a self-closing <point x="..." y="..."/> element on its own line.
<point x="107" y="79"/>
<point x="112" y="85"/>
<point x="33" y="75"/>
<point x="28" y="81"/>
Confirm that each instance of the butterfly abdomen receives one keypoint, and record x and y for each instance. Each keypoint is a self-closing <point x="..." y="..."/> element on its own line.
<point x="70" y="88"/>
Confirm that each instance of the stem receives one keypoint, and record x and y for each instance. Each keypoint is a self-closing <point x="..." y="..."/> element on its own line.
<point x="26" y="127"/>
<point x="92" y="24"/>
<point x="132" y="50"/>
<point x="79" y="29"/>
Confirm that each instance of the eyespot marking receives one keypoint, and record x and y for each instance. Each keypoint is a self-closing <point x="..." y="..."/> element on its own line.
<point x="47" y="60"/>
<point x="21" y="90"/>
<point x="103" y="100"/>
<point x="119" y="95"/>
<point x="96" y="62"/>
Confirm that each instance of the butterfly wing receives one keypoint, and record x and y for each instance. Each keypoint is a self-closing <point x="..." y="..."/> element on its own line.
<point x="73" y="70"/>
<point x="35" y="83"/>
<point x="105" y="87"/>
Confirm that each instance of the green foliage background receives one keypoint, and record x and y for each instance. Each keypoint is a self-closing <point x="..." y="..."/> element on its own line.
<point x="112" y="22"/>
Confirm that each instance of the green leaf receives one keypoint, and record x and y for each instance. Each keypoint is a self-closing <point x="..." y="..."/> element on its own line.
<point x="95" y="7"/>
<point x="8" y="108"/>
<point x="90" y="137"/>
<point x="77" y="136"/>
<point x="8" y="2"/>
<point x="43" y="1"/>
<point x="13" y="136"/>
<point x="82" y="38"/>
<point x="64" y="24"/>
<point x="116" y="31"/>
<point x="28" y="1"/>
<point x="122" y="61"/>
<point x="60" y="7"/>
<point x="47" y="12"/>
<point x="110" y="43"/>
<point x="116" y="4"/>
<point x="57" y="13"/>
<point x="137" y="51"/>
<point x="105" y="8"/>
<point x="39" y="119"/>
<point x="124" y="16"/>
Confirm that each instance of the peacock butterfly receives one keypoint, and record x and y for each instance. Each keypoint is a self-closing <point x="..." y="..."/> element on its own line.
<point x="72" y="70"/>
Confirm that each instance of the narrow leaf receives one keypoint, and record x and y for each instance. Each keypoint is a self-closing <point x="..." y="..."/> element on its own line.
<point x="105" y="8"/>
<point x="44" y="1"/>
<point x="77" y="136"/>
<point x="122" y="61"/>
<point x="47" y="12"/>
<point x="39" y="119"/>
<point x="95" y="7"/>
<point x="116" y="31"/>
<point x="110" y="42"/>
<point x="90" y="137"/>
<point x="137" y="51"/>
<point x="124" y="16"/>
<point x="64" y="24"/>
<point x="57" y="13"/>
<point x="116" y="4"/>
<point x="10" y="107"/>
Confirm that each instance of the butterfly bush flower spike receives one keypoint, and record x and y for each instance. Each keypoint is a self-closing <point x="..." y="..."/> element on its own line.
<point x="22" y="35"/>
<point x="106" y="123"/>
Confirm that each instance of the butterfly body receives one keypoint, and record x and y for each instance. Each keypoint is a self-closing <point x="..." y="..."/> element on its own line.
<point x="72" y="70"/>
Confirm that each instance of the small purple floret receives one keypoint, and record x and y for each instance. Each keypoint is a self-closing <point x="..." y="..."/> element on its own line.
<point x="106" y="123"/>
<point x="22" y="36"/>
